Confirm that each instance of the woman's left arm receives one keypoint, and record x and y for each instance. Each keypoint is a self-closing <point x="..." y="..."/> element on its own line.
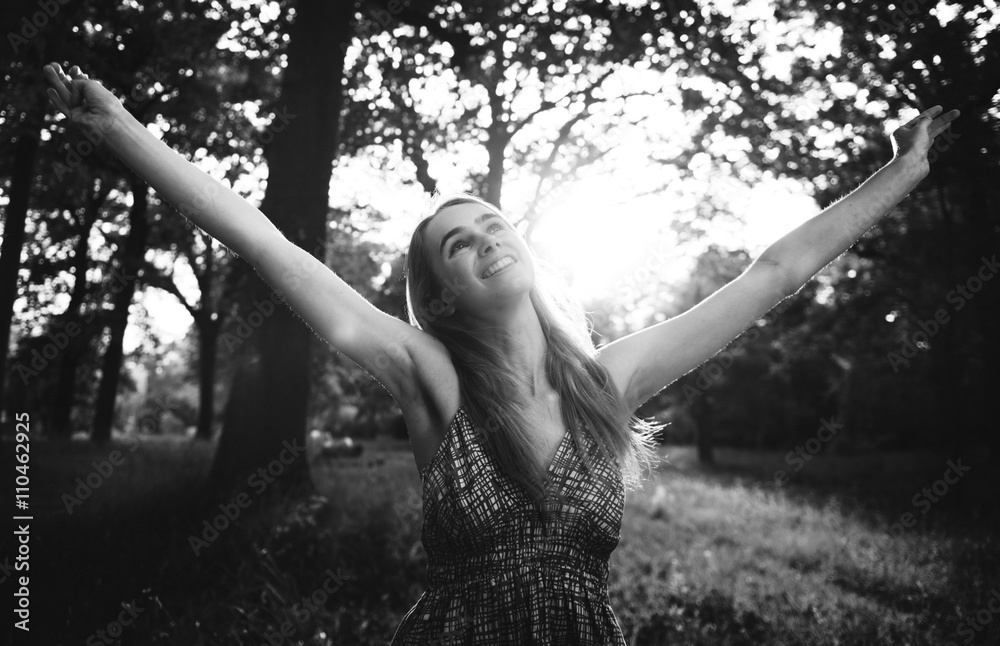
<point x="644" y="362"/>
<point x="809" y="248"/>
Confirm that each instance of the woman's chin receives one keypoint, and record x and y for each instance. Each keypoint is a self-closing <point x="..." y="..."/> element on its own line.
<point x="512" y="277"/>
<point x="512" y="284"/>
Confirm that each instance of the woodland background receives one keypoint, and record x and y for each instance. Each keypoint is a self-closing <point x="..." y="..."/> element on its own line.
<point x="522" y="103"/>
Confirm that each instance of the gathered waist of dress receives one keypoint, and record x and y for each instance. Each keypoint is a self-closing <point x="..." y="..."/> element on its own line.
<point x="588" y="574"/>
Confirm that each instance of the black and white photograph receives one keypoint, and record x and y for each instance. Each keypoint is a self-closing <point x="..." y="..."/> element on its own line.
<point x="489" y="323"/>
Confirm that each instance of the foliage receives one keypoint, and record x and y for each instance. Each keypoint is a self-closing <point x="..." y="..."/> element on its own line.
<point x="803" y="90"/>
<point x="718" y="557"/>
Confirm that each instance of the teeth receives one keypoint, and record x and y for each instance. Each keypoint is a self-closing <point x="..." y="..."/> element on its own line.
<point x="497" y="266"/>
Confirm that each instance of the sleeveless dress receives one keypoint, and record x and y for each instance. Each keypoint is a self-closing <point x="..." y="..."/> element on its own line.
<point x="501" y="570"/>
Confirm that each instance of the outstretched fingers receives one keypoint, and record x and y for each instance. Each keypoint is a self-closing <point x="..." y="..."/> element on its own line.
<point x="930" y="114"/>
<point x="62" y="85"/>
<point x="62" y="90"/>
<point x="58" y="93"/>
<point x="937" y="122"/>
<point x="56" y="101"/>
<point x="941" y="124"/>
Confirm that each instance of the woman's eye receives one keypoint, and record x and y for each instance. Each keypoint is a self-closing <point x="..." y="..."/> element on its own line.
<point x="455" y="247"/>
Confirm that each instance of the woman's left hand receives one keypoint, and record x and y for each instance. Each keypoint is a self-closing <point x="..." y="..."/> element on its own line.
<point x="914" y="140"/>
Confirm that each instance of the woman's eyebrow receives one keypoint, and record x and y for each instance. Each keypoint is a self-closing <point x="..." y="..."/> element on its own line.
<point x="479" y="220"/>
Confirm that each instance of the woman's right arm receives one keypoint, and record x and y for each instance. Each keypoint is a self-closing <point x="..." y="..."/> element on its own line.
<point x="399" y="355"/>
<point x="201" y="198"/>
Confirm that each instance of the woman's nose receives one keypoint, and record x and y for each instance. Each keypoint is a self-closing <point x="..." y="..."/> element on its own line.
<point x="491" y="241"/>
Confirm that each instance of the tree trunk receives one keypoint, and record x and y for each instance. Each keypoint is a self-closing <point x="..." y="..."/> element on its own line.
<point x="132" y="260"/>
<point x="208" y="338"/>
<point x="264" y="429"/>
<point x="60" y="425"/>
<point x="62" y="404"/>
<point x="16" y="213"/>
<point x="496" y="147"/>
<point x="988" y="311"/>
<point x="208" y="322"/>
<point x="702" y="414"/>
<point x="702" y="409"/>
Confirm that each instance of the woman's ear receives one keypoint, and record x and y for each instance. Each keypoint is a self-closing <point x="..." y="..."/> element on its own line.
<point x="437" y="309"/>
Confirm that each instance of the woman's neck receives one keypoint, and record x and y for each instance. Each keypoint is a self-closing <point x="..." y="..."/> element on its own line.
<point x="520" y="338"/>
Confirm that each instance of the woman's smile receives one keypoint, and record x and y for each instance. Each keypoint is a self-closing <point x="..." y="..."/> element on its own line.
<point x="498" y="266"/>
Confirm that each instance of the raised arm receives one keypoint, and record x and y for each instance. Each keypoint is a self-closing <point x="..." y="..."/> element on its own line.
<point x="389" y="349"/>
<point x="813" y="245"/>
<point x="208" y="203"/>
<point x="646" y="361"/>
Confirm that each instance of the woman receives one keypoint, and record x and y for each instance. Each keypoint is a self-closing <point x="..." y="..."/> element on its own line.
<point x="519" y="426"/>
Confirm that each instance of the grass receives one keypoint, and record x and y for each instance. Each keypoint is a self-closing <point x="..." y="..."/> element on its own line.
<point x="707" y="556"/>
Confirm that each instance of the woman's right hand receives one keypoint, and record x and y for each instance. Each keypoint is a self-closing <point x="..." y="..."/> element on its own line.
<point x="86" y="103"/>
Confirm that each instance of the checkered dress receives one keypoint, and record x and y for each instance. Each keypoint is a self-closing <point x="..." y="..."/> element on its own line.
<point x="500" y="569"/>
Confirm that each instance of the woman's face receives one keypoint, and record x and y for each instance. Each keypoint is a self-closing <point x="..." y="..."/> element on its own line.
<point x="465" y="242"/>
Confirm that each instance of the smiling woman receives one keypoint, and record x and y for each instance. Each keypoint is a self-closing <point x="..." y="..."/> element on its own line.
<point x="510" y="328"/>
<point x="522" y="432"/>
<point x="538" y="452"/>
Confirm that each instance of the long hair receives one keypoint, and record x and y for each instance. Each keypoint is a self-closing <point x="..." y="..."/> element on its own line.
<point x="489" y="385"/>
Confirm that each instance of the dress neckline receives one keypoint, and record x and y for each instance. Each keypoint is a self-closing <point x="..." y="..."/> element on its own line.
<point x="452" y="429"/>
<point x="559" y="448"/>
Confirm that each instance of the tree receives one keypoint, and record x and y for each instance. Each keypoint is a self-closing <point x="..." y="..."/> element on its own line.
<point x="533" y="83"/>
<point x="29" y="105"/>
<point x="161" y="88"/>
<point x="129" y="268"/>
<point x="894" y="58"/>
<point x="267" y="408"/>
<point x="714" y="269"/>
<point x="59" y="424"/>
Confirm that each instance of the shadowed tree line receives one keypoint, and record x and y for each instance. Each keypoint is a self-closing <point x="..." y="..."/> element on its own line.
<point x="532" y="87"/>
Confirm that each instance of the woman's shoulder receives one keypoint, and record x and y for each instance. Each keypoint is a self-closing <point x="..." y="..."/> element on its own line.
<point x="431" y="411"/>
